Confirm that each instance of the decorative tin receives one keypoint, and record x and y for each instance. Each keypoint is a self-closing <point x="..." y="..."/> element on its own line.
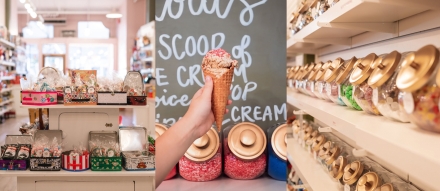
<point x="12" y="158"/>
<point x="80" y="95"/>
<point x="51" y="163"/>
<point x="112" y="98"/>
<point x="135" y="154"/>
<point x="38" y="98"/>
<point x="134" y="86"/>
<point x="108" y="158"/>
<point x="75" y="162"/>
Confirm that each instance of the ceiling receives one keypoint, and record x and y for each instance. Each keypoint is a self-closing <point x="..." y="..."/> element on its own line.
<point x="69" y="6"/>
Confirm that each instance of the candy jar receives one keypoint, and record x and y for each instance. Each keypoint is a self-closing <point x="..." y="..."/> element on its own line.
<point x="244" y="151"/>
<point x="311" y="79"/>
<point x="344" y="86"/>
<point x="368" y="182"/>
<point x="362" y="92"/>
<point x="331" y="87"/>
<point x="203" y="159"/>
<point x="419" y="80"/>
<point x="320" y="90"/>
<point x="309" y="84"/>
<point x="383" y="82"/>
<point x="352" y="172"/>
<point x="160" y="129"/>
<point x="277" y="149"/>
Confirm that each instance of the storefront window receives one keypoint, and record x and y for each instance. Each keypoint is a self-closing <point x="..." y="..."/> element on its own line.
<point x="32" y="65"/>
<point x="92" y="57"/>
<point x="35" y="29"/>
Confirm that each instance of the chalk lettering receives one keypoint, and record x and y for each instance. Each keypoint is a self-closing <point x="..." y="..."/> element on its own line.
<point x="163" y="43"/>
<point x="159" y="76"/>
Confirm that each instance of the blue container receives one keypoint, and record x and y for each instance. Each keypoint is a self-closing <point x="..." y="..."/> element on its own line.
<point x="277" y="147"/>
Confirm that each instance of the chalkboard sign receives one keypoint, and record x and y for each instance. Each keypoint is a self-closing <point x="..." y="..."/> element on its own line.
<point x="252" y="31"/>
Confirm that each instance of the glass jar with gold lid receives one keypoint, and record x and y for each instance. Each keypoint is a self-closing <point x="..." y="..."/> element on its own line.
<point x="291" y="77"/>
<point x="362" y="92"/>
<point x="297" y="79"/>
<point x="203" y="159"/>
<point x="345" y="88"/>
<point x="310" y="84"/>
<point x="244" y="151"/>
<point x="320" y="90"/>
<point x="385" y="91"/>
<point x="419" y="80"/>
<point x="331" y="87"/>
<point x="277" y="151"/>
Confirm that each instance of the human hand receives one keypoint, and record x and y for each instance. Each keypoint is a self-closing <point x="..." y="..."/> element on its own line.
<point x="199" y="112"/>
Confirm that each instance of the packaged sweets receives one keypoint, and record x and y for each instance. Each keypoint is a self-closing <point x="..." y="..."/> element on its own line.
<point x="46" y="152"/>
<point x="330" y="76"/>
<point x="345" y="88"/>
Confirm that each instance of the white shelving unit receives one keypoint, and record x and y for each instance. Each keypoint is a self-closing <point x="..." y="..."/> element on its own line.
<point x="6" y="102"/>
<point x="310" y="172"/>
<point x="398" y="144"/>
<point x="6" y="63"/>
<point x="7" y="78"/>
<point x="6" y="43"/>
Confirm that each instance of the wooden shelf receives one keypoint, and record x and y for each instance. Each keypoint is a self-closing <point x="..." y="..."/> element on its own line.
<point x="398" y="144"/>
<point x="349" y="18"/>
<point x="64" y="173"/>
<point x="7" y="43"/>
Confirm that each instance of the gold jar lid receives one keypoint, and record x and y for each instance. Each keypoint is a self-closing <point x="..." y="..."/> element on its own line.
<point x="418" y="69"/>
<point x="325" y="149"/>
<point x="318" y="142"/>
<point x="352" y="172"/>
<point x="368" y="182"/>
<point x="362" y="69"/>
<point x="320" y="75"/>
<point x="314" y="71"/>
<point x="279" y="141"/>
<point x="385" y="187"/>
<point x="337" y="167"/>
<point x="307" y="70"/>
<point x="333" y="70"/>
<point x="160" y="129"/>
<point x="205" y="147"/>
<point x="312" y="136"/>
<point x="247" y="140"/>
<point x="345" y="70"/>
<point x="307" y="132"/>
<point x="332" y="155"/>
<point x="384" y="69"/>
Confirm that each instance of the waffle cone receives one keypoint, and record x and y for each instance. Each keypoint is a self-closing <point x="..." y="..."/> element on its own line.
<point x="222" y="84"/>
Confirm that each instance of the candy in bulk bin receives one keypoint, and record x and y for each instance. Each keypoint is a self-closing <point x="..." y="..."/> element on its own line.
<point x="309" y="140"/>
<point x="362" y="92"/>
<point x="383" y="82"/>
<point x="328" y="153"/>
<point x="320" y="90"/>
<point x="316" y="145"/>
<point x="311" y="80"/>
<point x="308" y="79"/>
<point x="344" y="86"/>
<point x="203" y="159"/>
<point x="336" y="169"/>
<point x="298" y="80"/>
<point x="331" y="87"/>
<point x="277" y="148"/>
<point x="368" y="182"/>
<point x="160" y="129"/>
<point x="419" y="79"/>
<point x="352" y="172"/>
<point x="244" y="151"/>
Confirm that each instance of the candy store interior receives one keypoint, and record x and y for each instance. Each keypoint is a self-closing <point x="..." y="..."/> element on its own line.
<point x="56" y="59"/>
<point x="363" y="94"/>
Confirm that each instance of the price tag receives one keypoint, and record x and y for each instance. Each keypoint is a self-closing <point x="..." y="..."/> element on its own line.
<point x="346" y="187"/>
<point x="375" y="96"/>
<point x="408" y="102"/>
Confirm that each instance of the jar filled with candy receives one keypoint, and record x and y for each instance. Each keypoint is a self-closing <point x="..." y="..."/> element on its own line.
<point x="331" y="87"/>
<point x="203" y="159"/>
<point x="277" y="149"/>
<point x="344" y="86"/>
<point x="383" y="82"/>
<point x="244" y="150"/>
<point x="160" y="129"/>
<point x="309" y="84"/>
<point x="419" y="80"/>
<point x="320" y="90"/>
<point x="311" y="80"/>
<point x="362" y="92"/>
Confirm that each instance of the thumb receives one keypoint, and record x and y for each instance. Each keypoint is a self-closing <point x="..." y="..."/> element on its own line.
<point x="207" y="89"/>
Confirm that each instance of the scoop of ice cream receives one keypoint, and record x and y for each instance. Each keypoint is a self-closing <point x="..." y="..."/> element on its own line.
<point x="218" y="58"/>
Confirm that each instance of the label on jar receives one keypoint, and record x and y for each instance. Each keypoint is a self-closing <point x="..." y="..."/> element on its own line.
<point x="408" y="102"/>
<point x="375" y="96"/>
<point x="346" y="187"/>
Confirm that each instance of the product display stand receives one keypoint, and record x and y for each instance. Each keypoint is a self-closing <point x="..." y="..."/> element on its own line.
<point x="76" y="122"/>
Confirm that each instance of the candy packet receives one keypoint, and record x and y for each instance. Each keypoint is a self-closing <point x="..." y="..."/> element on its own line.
<point x="10" y="151"/>
<point x="23" y="151"/>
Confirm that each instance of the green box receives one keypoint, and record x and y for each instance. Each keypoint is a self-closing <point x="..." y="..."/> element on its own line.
<point x="106" y="163"/>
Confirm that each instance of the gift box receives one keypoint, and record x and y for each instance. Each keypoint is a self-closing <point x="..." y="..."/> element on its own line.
<point x="51" y="163"/>
<point x="134" y="147"/>
<point x="14" y="163"/>
<point x="134" y="86"/>
<point x="75" y="162"/>
<point x="38" y="98"/>
<point x="80" y="95"/>
<point x="112" y="98"/>
<point x="103" y="157"/>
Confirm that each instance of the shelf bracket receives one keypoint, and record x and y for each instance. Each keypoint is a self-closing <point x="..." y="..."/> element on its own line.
<point x="427" y="4"/>
<point x="325" y="129"/>
<point x="299" y="112"/>
<point x="372" y="27"/>
<point x="360" y="152"/>
<point x="338" y="41"/>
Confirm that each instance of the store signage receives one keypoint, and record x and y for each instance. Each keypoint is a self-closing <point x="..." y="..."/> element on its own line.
<point x="252" y="31"/>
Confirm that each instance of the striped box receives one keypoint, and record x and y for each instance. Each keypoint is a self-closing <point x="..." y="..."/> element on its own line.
<point x="75" y="163"/>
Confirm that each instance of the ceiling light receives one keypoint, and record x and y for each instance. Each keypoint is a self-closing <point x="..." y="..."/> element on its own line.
<point x="22" y="1"/>
<point x="114" y="15"/>
<point x="33" y="15"/>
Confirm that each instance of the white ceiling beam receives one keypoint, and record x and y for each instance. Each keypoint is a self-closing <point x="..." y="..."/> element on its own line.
<point x="372" y="27"/>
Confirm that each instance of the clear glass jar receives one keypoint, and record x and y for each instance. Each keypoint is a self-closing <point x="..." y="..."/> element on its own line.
<point x="362" y="92"/>
<point x="244" y="150"/>
<point x="419" y="81"/>
<point x="277" y="148"/>
<point x="320" y="90"/>
<point x="385" y="91"/>
<point x="345" y="89"/>
<point x="203" y="159"/>
<point x="330" y="76"/>
<point x="160" y="129"/>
